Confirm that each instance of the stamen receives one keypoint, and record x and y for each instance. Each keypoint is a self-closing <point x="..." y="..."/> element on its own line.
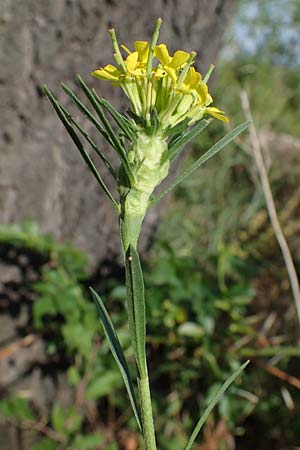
<point x="126" y="49"/>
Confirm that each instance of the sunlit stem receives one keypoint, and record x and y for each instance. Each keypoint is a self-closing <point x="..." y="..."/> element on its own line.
<point x="186" y="68"/>
<point x="118" y="57"/>
<point x="208" y="74"/>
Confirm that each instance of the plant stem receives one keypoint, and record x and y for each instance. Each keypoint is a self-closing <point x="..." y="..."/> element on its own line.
<point x="130" y="231"/>
<point x="147" y="415"/>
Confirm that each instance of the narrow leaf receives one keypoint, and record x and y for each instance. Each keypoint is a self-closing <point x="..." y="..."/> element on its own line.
<point x="209" y="154"/>
<point x="176" y="145"/>
<point x="122" y="121"/>
<point x="136" y="305"/>
<point x="117" y="352"/>
<point x="178" y="129"/>
<point x="117" y="145"/>
<point x="79" y="145"/>
<point x="85" y="111"/>
<point x="90" y="141"/>
<point x="212" y="404"/>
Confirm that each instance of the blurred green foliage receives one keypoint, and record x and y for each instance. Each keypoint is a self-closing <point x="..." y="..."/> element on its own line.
<point x="274" y="93"/>
<point x="199" y="323"/>
<point x="185" y="306"/>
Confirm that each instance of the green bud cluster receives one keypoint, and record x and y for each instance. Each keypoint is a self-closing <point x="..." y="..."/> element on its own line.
<point x="149" y="166"/>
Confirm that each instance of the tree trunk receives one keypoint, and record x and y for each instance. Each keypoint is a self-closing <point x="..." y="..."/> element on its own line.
<point x="45" y="42"/>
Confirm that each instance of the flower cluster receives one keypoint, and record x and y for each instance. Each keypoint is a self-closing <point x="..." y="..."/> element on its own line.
<point x="171" y="89"/>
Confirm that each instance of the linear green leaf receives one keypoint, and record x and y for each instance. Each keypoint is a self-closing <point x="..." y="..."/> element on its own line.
<point x="118" y="354"/>
<point x="90" y="141"/>
<point x="122" y="121"/>
<point x="209" y="154"/>
<point x="86" y="112"/>
<point x="136" y="306"/>
<point x="212" y="404"/>
<point x="176" y="145"/>
<point x="178" y="129"/>
<point x="116" y="143"/>
<point x="79" y="145"/>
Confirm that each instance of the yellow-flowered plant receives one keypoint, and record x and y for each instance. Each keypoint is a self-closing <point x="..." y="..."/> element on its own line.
<point x="171" y="89"/>
<point x="170" y="105"/>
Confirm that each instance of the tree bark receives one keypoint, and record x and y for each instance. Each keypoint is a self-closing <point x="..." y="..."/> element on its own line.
<point x="45" y="42"/>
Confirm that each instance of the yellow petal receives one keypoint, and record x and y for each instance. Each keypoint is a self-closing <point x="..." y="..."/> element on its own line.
<point x="179" y="59"/>
<point x="215" y="112"/>
<point x="202" y="91"/>
<point x="109" y="72"/>
<point x="162" y="54"/>
<point x="142" y="47"/>
<point x="131" y="61"/>
<point x="171" y="72"/>
<point x="192" y="78"/>
<point x="209" y="99"/>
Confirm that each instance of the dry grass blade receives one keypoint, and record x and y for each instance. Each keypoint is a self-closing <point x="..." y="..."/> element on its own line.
<point x="257" y="152"/>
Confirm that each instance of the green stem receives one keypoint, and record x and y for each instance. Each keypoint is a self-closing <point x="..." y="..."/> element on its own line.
<point x="130" y="227"/>
<point x="146" y="412"/>
<point x="130" y="231"/>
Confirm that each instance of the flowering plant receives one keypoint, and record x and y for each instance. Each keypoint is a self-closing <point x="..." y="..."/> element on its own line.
<point x="169" y="106"/>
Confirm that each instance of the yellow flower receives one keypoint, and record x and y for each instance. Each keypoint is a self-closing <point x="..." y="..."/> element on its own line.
<point x="142" y="49"/>
<point x="191" y="81"/>
<point x="109" y="72"/>
<point x="215" y="112"/>
<point x="171" y="87"/>
<point x="171" y="65"/>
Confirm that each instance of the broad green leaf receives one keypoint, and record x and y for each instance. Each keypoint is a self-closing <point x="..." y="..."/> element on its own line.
<point x="216" y="398"/>
<point x="90" y="442"/>
<point x="45" y="444"/>
<point x="6" y="409"/>
<point x="73" y="376"/>
<point x="58" y="418"/>
<point x="65" y="420"/>
<point x="17" y="408"/>
<point x="209" y="154"/>
<point x="118" y="354"/>
<point x="136" y="305"/>
<point x="79" y="145"/>
<point x="41" y="307"/>
<point x="78" y="337"/>
<point x="22" y="409"/>
<point x="103" y="385"/>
